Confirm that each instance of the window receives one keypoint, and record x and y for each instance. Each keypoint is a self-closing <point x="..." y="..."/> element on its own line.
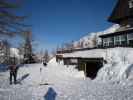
<point x="123" y="40"/>
<point x="108" y="41"/>
<point x="130" y="39"/>
<point x="105" y="42"/>
<point x="123" y="37"/>
<point x="111" y="41"/>
<point x="130" y="36"/>
<point x="130" y="4"/>
<point x="117" y="40"/>
<point x="120" y="40"/>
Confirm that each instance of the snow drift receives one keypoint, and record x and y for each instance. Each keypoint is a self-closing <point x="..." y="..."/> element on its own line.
<point x="119" y="66"/>
<point x="67" y="70"/>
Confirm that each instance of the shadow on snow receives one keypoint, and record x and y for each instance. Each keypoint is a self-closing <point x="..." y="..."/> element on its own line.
<point x="22" y="78"/>
<point x="51" y="94"/>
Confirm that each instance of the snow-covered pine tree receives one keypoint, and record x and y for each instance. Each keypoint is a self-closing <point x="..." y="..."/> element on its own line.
<point x="11" y="24"/>
<point x="4" y="52"/>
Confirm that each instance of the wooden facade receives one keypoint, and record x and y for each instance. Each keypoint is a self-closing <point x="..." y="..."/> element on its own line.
<point x="122" y="15"/>
<point x="122" y="12"/>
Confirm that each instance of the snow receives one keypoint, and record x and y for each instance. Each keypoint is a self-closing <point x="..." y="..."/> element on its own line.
<point x="56" y="82"/>
<point x="111" y="29"/>
<point x="94" y="53"/>
<point x="119" y="65"/>
<point x="14" y="52"/>
<point x="88" y="40"/>
<point x="67" y="70"/>
<point x="119" y="62"/>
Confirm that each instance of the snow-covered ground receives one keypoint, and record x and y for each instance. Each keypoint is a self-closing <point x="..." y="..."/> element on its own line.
<point x="118" y="66"/>
<point x="58" y="82"/>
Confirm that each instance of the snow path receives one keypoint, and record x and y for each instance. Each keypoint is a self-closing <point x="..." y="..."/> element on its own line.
<point x="61" y="86"/>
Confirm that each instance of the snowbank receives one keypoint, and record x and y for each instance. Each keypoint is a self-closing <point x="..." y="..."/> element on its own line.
<point x="119" y="66"/>
<point x="67" y="70"/>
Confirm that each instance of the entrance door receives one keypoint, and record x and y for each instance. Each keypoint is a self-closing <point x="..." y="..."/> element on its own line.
<point x="92" y="68"/>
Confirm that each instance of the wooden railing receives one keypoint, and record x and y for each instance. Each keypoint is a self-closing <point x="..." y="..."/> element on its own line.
<point x="98" y="47"/>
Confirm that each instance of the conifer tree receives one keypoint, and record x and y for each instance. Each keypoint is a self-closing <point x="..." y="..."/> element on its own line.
<point x="10" y="23"/>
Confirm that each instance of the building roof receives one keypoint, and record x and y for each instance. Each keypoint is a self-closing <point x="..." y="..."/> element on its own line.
<point x="119" y="31"/>
<point x="94" y="53"/>
<point x="121" y="11"/>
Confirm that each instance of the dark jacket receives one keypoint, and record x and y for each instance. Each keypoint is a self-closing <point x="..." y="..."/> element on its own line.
<point x="13" y="68"/>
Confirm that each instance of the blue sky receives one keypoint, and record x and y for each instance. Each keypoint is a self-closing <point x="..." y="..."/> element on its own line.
<point x="58" y="21"/>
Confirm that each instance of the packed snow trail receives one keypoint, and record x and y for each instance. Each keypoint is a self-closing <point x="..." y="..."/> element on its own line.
<point x="56" y="82"/>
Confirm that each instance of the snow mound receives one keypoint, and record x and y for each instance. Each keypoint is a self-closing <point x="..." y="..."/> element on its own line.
<point x="119" y="66"/>
<point x="118" y="62"/>
<point x="67" y="70"/>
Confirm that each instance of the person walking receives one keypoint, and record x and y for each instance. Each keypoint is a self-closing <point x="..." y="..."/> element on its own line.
<point x="13" y="73"/>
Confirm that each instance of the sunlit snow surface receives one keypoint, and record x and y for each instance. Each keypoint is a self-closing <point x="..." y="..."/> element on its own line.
<point x="58" y="82"/>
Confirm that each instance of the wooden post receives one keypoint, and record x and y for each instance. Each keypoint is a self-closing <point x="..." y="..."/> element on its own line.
<point x="85" y="70"/>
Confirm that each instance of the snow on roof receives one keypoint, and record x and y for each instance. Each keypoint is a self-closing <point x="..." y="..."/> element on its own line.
<point x="115" y="54"/>
<point x="112" y="29"/>
<point x="87" y="41"/>
<point x="94" y="53"/>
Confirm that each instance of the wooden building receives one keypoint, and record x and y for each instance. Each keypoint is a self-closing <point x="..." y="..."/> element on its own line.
<point x="122" y="15"/>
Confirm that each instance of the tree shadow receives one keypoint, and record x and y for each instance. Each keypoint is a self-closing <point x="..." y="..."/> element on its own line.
<point x="22" y="78"/>
<point x="51" y="94"/>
